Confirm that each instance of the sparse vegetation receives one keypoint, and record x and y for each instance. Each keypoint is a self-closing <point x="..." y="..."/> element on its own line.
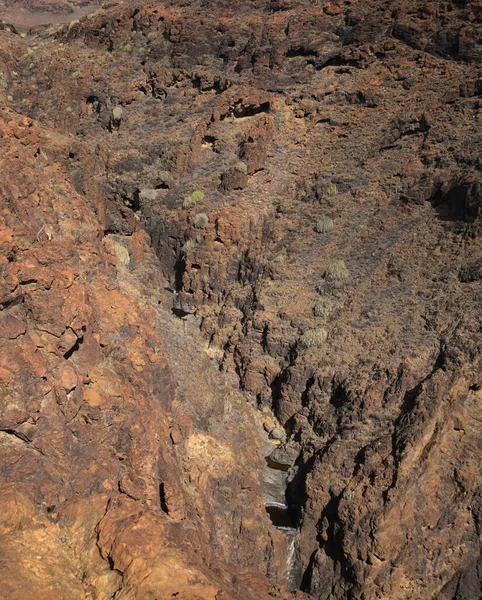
<point x="117" y="113"/>
<point x="323" y="307"/>
<point x="336" y="271"/>
<point x="193" y="199"/>
<point x="200" y="220"/>
<point x="330" y="189"/>
<point x="314" y="338"/>
<point x="188" y="245"/>
<point x="122" y="253"/>
<point x="95" y="13"/>
<point x="241" y="167"/>
<point x="324" y="225"/>
<point x="148" y="195"/>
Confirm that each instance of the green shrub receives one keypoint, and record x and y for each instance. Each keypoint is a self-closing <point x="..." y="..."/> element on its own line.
<point x="323" y="307"/>
<point x="324" y="225"/>
<point x="336" y="271"/>
<point x="200" y="220"/>
<point x="193" y="199"/>
<point x="241" y="167"/>
<point x="314" y="338"/>
<point x="330" y="189"/>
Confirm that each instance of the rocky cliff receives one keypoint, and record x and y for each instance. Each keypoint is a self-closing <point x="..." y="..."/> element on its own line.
<point x="217" y="218"/>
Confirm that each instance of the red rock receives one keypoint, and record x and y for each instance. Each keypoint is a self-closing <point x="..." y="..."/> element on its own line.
<point x="68" y="378"/>
<point x="11" y="327"/>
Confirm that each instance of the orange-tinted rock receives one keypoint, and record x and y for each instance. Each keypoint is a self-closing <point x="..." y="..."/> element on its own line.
<point x="86" y="415"/>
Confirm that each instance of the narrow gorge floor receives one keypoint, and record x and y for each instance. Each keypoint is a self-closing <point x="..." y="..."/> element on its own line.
<point x="222" y="407"/>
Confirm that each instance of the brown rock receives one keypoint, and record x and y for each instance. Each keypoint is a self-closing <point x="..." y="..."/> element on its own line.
<point x="11" y="327"/>
<point x="68" y="378"/>
<point x="93" y="398"/>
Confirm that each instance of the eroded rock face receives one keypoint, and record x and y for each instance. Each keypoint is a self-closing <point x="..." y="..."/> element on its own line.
<point x="282" y="114"/>
<point x="117" y="478"/>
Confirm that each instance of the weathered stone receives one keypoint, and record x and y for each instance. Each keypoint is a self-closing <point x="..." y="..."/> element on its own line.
<point x="277" y="434"/>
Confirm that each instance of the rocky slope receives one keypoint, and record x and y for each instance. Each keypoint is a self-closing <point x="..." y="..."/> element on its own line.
<point x="120" y="476"/>
<point x="308" y="175"/>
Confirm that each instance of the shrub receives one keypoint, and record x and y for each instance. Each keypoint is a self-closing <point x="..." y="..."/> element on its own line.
<point x="242" y="167"/>
<point x="200" y="220"/>
<point x="314" y="338"/>
<point x="122" y="253"/>
<point x="324" y="225"/>
<point x="164" y="177"/>
<point x="148" y="194"/>
<point x="323" y="307"/>
<point x="197" y="195"/>
<point x="193" y="199"/>
<point x="330" y="189"/>
<point x="188" y="245"/>
<point x="117" y="113"/>
<point x="336" y="271"/>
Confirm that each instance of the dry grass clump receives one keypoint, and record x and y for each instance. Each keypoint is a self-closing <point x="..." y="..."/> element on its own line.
<point x="330" y="189"/>
<point x="148" y="195"/>
<point x="324" y="225"/>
